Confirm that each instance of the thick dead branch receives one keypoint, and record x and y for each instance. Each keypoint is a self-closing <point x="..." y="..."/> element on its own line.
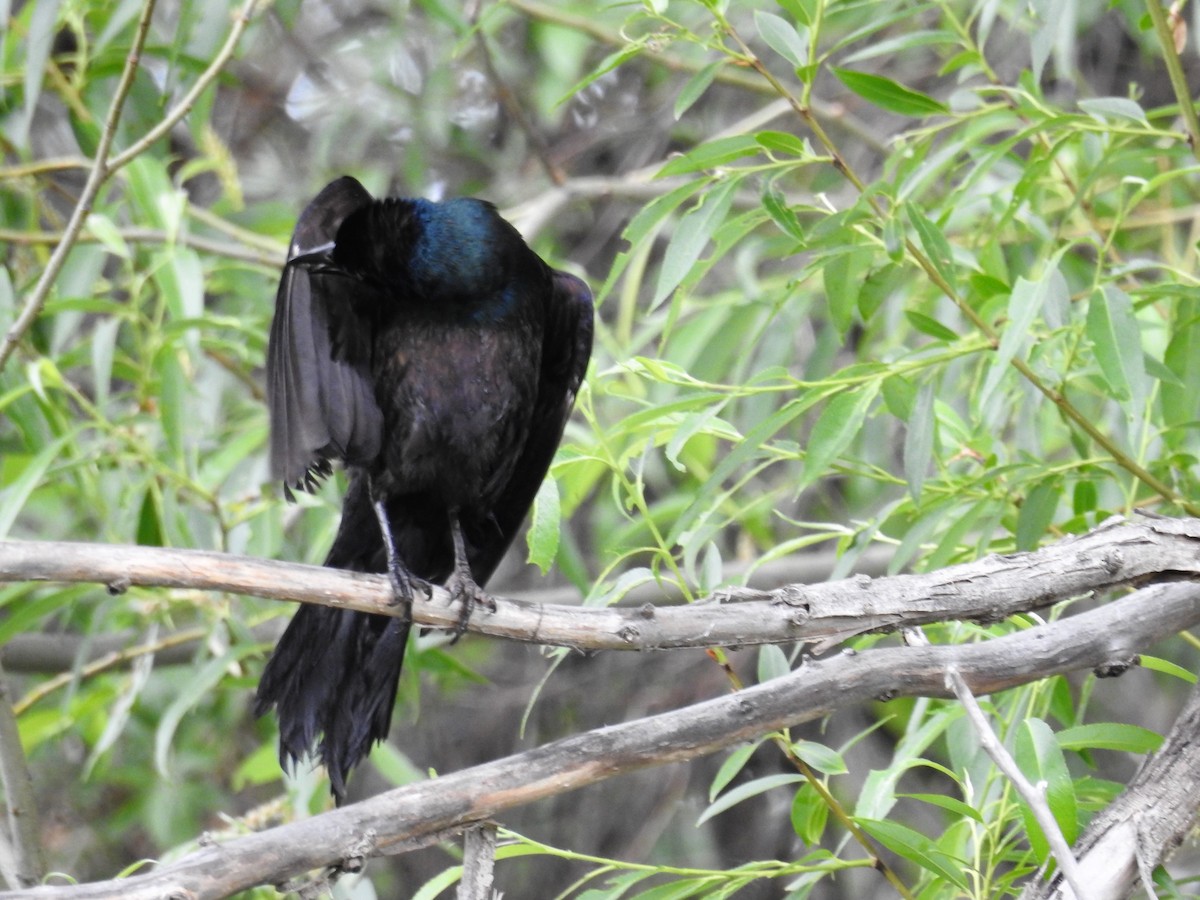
<point x="1110" y="636"/>
<point x="1117" y="553"/>
<point x="63" y="652"/>
<point x="1143" y="826"/>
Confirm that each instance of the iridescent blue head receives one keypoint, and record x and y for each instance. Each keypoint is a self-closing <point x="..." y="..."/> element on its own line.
<point x="457" y="251"/>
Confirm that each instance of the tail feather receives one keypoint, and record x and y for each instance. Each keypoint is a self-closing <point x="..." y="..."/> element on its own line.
<point x="334" y="672"/>
<point x="333" y="677"/>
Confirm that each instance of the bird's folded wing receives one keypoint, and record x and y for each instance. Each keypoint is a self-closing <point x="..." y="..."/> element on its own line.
<point x="322" y="404"/>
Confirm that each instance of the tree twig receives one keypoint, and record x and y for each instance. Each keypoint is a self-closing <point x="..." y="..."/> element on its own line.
<point x="1096" y="638"/>
<point x="1166" y="42"/>
<point x="1033" y="795"/>
<point x="97" y="175"/>
<point x="103" y="167"/>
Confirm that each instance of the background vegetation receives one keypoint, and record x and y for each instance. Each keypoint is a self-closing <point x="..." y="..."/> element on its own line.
<point x="919" y="276"/>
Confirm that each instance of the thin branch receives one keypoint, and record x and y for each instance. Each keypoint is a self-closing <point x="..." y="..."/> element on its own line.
<point x="188" y="638"/>
<point x="150" y="236"/>
<point x="479" y="862"/>
<point x="513" y="106"/>
<point x="44" y="166"/>
<point x="730" y="75"/>
<point x="1114" y="632"/>
<point x="1117" y="553"/>
<point x="1055" y="396"/>
<point x="98" y="174"/>
<point x="103" y="167"/>
<point x="1034" y="795"/>
<point x="184" y="106"/>
<point x="1166" y="41"/>
<point x="20" y="800"/>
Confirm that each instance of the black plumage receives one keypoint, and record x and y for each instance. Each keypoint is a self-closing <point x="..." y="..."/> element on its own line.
<point x="426" y="347"/>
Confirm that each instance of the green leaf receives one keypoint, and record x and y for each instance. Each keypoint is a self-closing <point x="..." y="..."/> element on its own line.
<point x="106" y="232"/>
<point x="395" y="766"/>
<point x="172" y="400"/>
<point x="260" y="767"/>
<point x="30" y="475"/>
<point x="782" y="37"/>
<point x="610" y="62"/>
<point x="733" y="764"/>
<point x="918" y="849"/>
<point x="836" y="427"/>
<point x="1119" y="108"/>
<point x="782" y="215"/>
<point x="1110" y="736"/>
<point x="1024" y="305"/>
<point x="696" y="86"/>
<point x="809" y="814"/>
<point x="950" y="804"/>
<point x="918" y="441"/>
<point x="900" y="396"/>
<point x="1039" y="756"/>
<point x="1167" y="667"/>
<point x="772" y="663"/>
<point x="844" y="276"/>
<point x="711" y="154"/>
<point x="822" y="758"/>
<point x="675" y="890"/>
<point x="1083" y="497"/>
<point x="889" y="95"/>
<point x="1116" y="340"/>
<point x="935" y="245"/>
<point x="783" y="142"/>
<point x="545" y="526"/>
<point x="1181" y="402"/>
<point x="930" y="326"/>
<point x="149" y="526"/>
<point x="37" y="44"/>
<point x="1037" y="512"/>
<point x="194" y="690"/>
<point x="691" y="237"/>
<point x="745" y="792"/>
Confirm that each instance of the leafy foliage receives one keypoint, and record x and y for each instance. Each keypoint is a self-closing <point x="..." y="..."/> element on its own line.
<point x="877" y="285"/>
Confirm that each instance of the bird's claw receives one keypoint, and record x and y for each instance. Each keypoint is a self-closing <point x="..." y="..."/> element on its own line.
<point x="465" y="591"/>
<point x="405" y="586"/>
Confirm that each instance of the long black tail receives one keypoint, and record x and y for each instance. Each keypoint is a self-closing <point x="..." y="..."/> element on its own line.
<point x="334" y="672"/>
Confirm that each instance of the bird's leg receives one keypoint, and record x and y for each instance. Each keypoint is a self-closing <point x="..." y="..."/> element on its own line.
<point x="404" y="583"/>
<point x="461" y="583"/>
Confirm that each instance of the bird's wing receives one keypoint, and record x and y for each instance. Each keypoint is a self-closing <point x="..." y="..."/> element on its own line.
<point x="566" y="348"/>
<point x="319" y="393"/>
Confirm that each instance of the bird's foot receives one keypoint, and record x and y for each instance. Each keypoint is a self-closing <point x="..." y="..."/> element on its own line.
<point x="464" y="590"/>
<point x="405" y="586"/>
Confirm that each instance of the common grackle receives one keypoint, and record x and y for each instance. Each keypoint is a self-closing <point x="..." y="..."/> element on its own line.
<point x="426" y="347"/>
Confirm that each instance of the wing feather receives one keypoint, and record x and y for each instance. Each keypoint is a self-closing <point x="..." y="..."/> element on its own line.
<point x="322" y="404"/>
<point x="566" y="349"/>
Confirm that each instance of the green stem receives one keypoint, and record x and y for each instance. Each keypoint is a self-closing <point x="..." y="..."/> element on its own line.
<point x="1166" y="40"/>
<point x="1066" y="408"/>
<point x="96" y="177"/>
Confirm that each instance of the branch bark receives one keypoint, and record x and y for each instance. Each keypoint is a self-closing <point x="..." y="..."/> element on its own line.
<point x="1109" y="636"/>
<point x="24" y="853"/>
<point x="1117" y="553"/>
<point x="1145" y="824"/>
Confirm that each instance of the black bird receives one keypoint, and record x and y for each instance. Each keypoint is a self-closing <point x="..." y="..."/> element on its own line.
<point x="426" y="347"/>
